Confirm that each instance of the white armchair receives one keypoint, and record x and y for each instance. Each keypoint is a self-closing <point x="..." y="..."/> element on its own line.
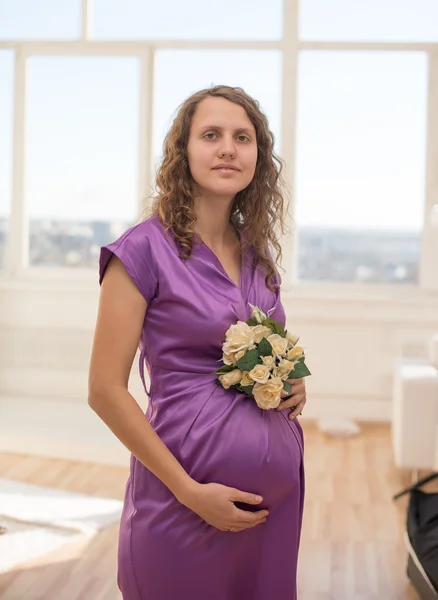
<point x="415" y="412"/>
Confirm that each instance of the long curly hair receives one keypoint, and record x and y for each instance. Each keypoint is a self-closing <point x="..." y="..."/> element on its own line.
<point x="257" y="210"/>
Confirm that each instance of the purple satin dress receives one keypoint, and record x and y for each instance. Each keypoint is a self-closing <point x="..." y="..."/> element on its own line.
<point x="167" y="552"/>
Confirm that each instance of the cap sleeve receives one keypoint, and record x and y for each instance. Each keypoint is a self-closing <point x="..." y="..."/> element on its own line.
<point x="134" y="250"/>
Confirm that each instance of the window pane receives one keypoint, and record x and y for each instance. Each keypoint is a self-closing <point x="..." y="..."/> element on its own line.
<point x="179" y="73"/>
<point x="369" y="20"/>
<point x="360" y="165"/>
<point x="82" y="155"/>
<point x="40" y="19"/>
<point x="191" y="19"/>
<point x="6" y="129"/>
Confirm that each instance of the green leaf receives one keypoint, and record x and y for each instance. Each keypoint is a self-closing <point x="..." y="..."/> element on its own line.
<point x="299" y="371"/>
<point x="252" y="322"/>
<point x="224" y="369"/>
<point x="275" y="326"/>
<point x="249" y="360"/>
<point x="248" y="390"/>
<point x="287" y="387"/>
<point x="264" y="347"/>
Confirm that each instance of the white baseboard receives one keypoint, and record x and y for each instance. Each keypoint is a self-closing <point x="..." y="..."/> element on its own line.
<point x="366" y="408"/>
<point x="58" y="429"/>
<point x="113" y="454"/>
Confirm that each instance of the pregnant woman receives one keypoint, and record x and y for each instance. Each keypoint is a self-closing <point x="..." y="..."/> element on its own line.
<point x="214" y="500"/>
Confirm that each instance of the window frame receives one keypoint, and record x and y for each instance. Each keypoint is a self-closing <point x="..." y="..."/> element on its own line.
<point x="16" y="267"/>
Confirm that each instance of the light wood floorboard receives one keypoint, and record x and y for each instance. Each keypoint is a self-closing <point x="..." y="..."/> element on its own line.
<point x="352" y="546"/>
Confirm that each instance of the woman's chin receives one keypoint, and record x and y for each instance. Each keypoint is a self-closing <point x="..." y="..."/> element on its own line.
<point x="222" y="191"/>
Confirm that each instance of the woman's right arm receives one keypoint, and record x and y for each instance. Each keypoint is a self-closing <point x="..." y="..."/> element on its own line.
<point x="121" y="314"/>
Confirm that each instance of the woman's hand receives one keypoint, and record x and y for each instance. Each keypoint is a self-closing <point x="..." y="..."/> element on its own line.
<point x="214" y="503"/>
<point x="297" y="398"/>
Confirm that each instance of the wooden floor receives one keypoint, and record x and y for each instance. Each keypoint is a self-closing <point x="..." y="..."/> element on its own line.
<point x="352" y="546"/>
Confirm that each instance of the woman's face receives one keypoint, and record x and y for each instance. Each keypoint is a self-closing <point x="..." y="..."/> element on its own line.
<point x="222" y="148"/>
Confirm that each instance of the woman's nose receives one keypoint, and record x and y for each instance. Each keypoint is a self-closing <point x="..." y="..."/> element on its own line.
<point x="227" y="147"/>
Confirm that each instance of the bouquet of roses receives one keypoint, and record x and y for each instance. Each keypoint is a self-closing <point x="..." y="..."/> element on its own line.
<point x="259" y="355"/>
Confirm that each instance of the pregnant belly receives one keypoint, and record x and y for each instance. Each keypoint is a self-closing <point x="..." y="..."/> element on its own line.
<point x="233" y="442"/>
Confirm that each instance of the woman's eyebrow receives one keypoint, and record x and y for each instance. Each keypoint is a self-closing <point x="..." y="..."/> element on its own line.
<point x="238" y="130"/>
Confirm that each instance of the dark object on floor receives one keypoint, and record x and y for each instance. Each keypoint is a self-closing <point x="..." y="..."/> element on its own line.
<point x="419" y="582"/>
<point x="422" y="539"/>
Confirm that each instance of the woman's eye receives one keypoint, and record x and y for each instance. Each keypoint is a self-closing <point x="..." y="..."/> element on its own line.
<point x="210" y="136"/>
<point x="243" y="138"/>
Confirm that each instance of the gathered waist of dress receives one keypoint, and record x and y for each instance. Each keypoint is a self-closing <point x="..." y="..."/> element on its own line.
<point x="199" y="372"/>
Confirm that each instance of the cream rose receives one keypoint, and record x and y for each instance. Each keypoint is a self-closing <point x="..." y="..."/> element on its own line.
<point x="295" y="353"/>
<point x="239" y="338"/>
<point x="268" y="395"/>
<point x="292" y="339"/>
<point x="231" y="358"/>
<point x="230" y="378"/>
<point x="239" y="335"/>
<point x="260" y="331"/>
<point x="246" y="379"/>
<point x="276" y="372"/>
<point x="260" y="373"/>
<point x="228" y="359"/>
<point x="257" y="314"/>
<point x="283" y="369"/>
<point x="278" y="343"/>
<point x="239" y="355"/>
<point x="268" y="361"/>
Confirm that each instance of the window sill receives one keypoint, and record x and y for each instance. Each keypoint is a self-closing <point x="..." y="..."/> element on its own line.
<point x="86" y="280"/>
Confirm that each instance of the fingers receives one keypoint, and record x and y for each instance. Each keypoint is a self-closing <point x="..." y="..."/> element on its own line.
<point x="291" y="402"/>
<point x="297" y="410"/>
<point x="298" y="392"/>
<point x="243" y="526"/>
<point x="248" y="521"/>
<point x="297" y="396"/>
<point x="246" y="517"/>
<point x="297" y="383"/>
<point x="245" y="497"/>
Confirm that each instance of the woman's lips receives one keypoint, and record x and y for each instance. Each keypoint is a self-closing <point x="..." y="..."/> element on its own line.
<point x="225" y="169"/>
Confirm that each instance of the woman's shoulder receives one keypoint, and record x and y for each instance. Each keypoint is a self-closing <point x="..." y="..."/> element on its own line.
<point x="137" y="248"/>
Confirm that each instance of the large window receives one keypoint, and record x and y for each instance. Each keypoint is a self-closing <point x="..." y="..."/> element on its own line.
<point x="369" y="20"/>
<point x="40" y="19"/>
<point x="361" y="165"/>
<point x="188" y="20"/>
<point x="81" y="155"/>
<point x="6" y="128"/>
<point x="349" y="88"/>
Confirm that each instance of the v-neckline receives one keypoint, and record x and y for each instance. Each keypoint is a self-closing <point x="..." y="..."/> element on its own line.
<point x="239" y="285"/>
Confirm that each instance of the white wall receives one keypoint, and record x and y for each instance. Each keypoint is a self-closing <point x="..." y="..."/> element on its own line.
<point x="45" y="343"/>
